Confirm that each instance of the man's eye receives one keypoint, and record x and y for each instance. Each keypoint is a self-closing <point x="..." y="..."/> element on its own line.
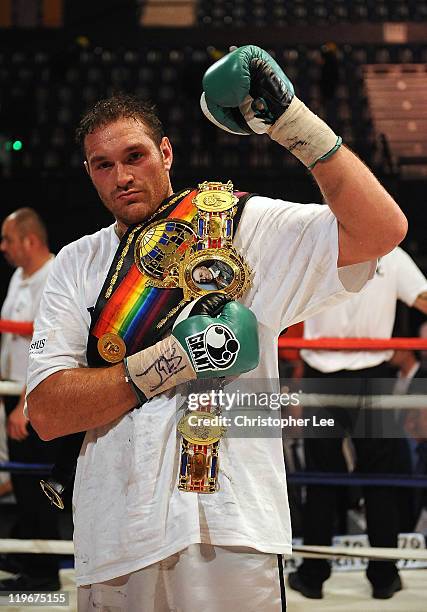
<point x="103" y="165"/>
<point x="135" y="156"/>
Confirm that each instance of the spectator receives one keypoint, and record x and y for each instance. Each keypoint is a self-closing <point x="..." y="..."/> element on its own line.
<point x="5" y="482"/>
<point x="412" y="452"/>
<point x="369" y="314"/>
<point x="24" y="245"/>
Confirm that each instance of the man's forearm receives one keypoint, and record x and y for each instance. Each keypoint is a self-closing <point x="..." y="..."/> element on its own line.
<point x="370" y="222"/>
<point x="79" y="399"/>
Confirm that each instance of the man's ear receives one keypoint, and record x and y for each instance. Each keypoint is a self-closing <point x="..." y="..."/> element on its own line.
<point x="167" y="153"/>
<point x="86" y="165"/>
<point x="28" y="241"/>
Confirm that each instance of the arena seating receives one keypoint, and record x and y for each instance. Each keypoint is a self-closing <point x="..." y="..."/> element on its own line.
<point x="396" y="94"/>
<point x="62" y="84"/>
<point x="261" y="13"/>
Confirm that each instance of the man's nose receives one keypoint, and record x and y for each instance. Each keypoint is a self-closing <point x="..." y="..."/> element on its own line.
<point x="124" y="175"/>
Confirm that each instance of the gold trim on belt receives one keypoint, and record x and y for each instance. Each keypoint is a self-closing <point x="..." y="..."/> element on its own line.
<point x="211" y="264"/>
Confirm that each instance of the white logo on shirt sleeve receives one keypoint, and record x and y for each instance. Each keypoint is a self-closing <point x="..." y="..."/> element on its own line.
<point x="37" y="346"/>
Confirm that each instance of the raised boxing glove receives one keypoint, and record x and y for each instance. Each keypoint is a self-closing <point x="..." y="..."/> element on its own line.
<point x="212" y="337"/>
<point x="247" y="92"/>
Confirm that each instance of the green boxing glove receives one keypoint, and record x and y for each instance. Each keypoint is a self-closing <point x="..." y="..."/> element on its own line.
<point x="212" y="337"/>
<point x="247" y="92"/>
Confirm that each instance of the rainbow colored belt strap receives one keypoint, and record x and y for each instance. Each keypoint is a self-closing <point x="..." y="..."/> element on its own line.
<point x="129" y="306"/>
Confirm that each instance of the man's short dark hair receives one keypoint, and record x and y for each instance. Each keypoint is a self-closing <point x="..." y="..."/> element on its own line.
<point x="120" y="106"/>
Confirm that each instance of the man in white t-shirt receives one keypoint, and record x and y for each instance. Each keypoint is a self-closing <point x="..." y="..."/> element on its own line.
<point x="369" y="314"/>
<point x="24" y="245"/>
<point x="411" y="379"/>
<point x="140" y="542"/>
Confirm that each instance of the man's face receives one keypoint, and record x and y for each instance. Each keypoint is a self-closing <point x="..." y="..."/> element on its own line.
<point x="12" y="244"/>
<point x="129" y="171"/>
<point x="202" y="274"/>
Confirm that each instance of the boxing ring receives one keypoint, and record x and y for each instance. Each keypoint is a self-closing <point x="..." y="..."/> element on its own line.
<point x="346" y="588"/>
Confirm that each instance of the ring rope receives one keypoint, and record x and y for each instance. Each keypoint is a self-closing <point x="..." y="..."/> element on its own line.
<point x="364" y="552"/>
<point x="15" y="467"/>
<point x="318" y="478"/>
<point x="65" y="547"/>
<point x="55" y="547"/>
<point x="25" y="328"/>
<point x="351" y="344"/>
<point x="355" y="479"/>
<point x="10" y="387"/>
<point x="20" y="328"/>
<point x="310" y="400"/>
<point x="366" y="402"/>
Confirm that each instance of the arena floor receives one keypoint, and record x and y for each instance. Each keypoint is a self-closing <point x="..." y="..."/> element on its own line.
<point x="343" y="592"/>
<point x="350" y="592"/>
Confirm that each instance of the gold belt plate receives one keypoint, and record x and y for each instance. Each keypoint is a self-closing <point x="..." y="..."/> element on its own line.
<point x="215" y="197"/>
<point x="205" y="429"/>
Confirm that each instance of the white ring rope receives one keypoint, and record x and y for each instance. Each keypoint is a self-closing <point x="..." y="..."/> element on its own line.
<point x="387" y="402"/>
<point x="65" y="547"/>
<point x="10" y="387"/>
<point x="365" y="552"/>
<point x="309" y="400"/>
<point x="55" y="547"/>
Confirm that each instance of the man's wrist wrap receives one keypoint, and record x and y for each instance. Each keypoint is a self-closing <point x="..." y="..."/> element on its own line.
<point x="160" y="367"/>
<point x="304" y="134"/>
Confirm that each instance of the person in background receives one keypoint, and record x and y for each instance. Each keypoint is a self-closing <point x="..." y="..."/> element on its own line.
<point x="412" y="453"/>
<point x="408" y="365"/>
<point x="24" y="245"/>
<point x="369" y="314"/>
<point x="415" y="426"/>
<point x="5" y="482"/>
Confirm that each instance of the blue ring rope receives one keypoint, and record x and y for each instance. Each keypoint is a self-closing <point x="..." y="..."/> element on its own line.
<point x="357" y="479"/>
<point x="26" y="468"/>
<point x="301" y="478"/>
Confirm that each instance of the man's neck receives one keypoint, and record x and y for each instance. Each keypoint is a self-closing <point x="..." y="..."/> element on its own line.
<point x="120" y="229"/>
<point x="37" y="262"/>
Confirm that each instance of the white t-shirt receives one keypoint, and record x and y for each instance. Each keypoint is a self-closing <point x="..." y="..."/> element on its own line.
<point x="128" y="512"/>
<point x="21" y="304"/>
<point x="369" y="314"/>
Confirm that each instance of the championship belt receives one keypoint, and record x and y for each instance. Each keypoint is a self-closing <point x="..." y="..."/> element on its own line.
<point x="201" y="431"/>
<point x="211" y="264"/>
<point x="197" y="257"/>
<point x="181" y="252"/>
<point x="163" y="264"/>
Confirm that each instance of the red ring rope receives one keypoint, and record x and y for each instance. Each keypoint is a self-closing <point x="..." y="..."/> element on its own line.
<point x="21" y="328"/>
<point x="25" y="328"/>
<point x="352" y="344"/>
